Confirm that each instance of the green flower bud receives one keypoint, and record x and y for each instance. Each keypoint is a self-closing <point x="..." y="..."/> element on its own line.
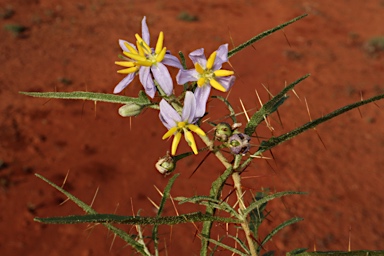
<point x="166" y="165"/>
<point x="222" y="132"/>
<point x="130" y="109"/>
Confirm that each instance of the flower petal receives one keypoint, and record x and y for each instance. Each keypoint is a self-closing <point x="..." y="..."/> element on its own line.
<point x="221" y="57"/>
<point x="147" y="81"/>
<point x="162" y="76"/>
<point x="168" y="115"/>
<point x="124" y="83"/>
<point x="189" y="108"/>
<point x="145" y="31"/>
<point x="172" y="61"/>
<point x="197" y="56"/>
<point x="226" y="81"/>
<point x="201" y="96"/>
<point x="175" y="143"/>
<point x="185" y="76"/>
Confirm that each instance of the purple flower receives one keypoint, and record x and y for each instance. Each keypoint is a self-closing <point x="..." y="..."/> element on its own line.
<point x="178" y="124"/>
<point x="147" y="62"/>
<point x="208" y="73"/>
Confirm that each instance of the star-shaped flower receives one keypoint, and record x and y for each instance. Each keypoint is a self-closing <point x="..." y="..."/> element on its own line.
<point x="147" y="62"/>
<point x="208" y="73"/>
<point x="185" y="123"/>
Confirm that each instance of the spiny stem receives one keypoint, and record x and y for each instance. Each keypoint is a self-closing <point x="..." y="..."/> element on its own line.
<point x="244" y="224"/>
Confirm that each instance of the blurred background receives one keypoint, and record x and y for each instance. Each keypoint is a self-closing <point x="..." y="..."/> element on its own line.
<point x="72" y="45"/>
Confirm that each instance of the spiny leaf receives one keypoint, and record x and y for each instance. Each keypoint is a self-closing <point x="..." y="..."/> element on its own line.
<point x="262" y="201"/>
<point x="229" y="248"/>
<point x="135" y="220"/>
<point x="125" y="236"/>
<point x="270" y="107"/>
<point x="280" y="227"/>
<point x="262" y="35"/>
<point x="93" y="96"/>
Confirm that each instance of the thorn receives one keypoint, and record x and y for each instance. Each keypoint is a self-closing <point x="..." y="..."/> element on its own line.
<point x="95" y="102"/>
<point x="158" y="191"/>
<point x="153" y="203"/>
<point x="65" y="179"/>
<point x="133" y="212"/>
<point x="66" y="200"/>
<point x="130" y="123"/>
<point x="94" y="197"/>
<point x="358" y="108"/>
<point x="258" y="97"/>
<point x="286" y="38"/>
<point x="201" y="162"/>
<point x="349" y="239"/>
<point x="174" y="205"/>
<point x="310" y="119"/>
<point x="267" y="90"/>
<point x="113" y="241"/>
<point x="245" y="111"/>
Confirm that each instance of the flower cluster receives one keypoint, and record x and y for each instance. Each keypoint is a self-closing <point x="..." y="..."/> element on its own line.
<point x="150" y="64"/>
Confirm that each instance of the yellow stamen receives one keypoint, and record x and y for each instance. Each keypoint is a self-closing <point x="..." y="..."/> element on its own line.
<point x="146" y="63"/>
<point x="196" y="129"/>
<point x="191" y="141"/>
<point x="159" y="44"/>
<point x="161" y="55"/>
<point x="128" y="70"/>
<point x="181" y="124"/>
<point x="201" y="81"/>
<point x="198" y="68"/>
<point x="130" y="48"/>
<point x="127" y="64"/>
<point x="143" y="44"/>
<point x="175" y="143"/>
<point x="169" y="133"/>
<point x="140" y="48"/>
<point x="223" y="72"/>
<point x="217" y="85"/>
<point x="135" y="56"/>
<point x="211" y="60"/>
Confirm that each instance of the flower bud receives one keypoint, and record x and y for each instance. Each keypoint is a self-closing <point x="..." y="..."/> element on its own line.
<point x="165" y="165"/>
<point x="222" y="132"/>
<point x="130" y="109"/>
<point x="239" y="143"/>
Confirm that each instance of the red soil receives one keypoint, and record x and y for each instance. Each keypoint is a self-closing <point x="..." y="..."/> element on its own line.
<point x="77" y="42"/>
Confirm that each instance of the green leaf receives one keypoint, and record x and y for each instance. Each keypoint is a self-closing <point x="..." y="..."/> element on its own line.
<point x="280" y="227"/>
<point x="135" y="220"/>
<point x="274" y="141"/>
<point x="265" y="199"/>
<point x="125" y="236"/>
<point x="271" y="106"/>
<point x="166" y="194"/>
<point x="93" y="96"/>
<point x="262" y="35"/>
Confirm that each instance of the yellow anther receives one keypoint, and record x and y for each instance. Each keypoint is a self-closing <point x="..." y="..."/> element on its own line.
<point x="128" y="70"/>
<point x="196" y="129"/>
<point x="135" y="56"/>
<point x="191" y="141"/>
<point x="169" y="133"/>
<point x="217" y="85"/>
<point x="159" y="44"/>
<point x="201" y="81"/>
<point x="181" y="124"/>
<point x="198" y="68"/>
<point x="175" y="143"/>
<point x="211" y="60"/>
<point x="130" y="48"/>
<point x="147" y="49"/>
<point x="140" y="48"/>
<point x="223" y="72"/>
<point x="161" y="55"/>
<point x="127" y="64"/>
